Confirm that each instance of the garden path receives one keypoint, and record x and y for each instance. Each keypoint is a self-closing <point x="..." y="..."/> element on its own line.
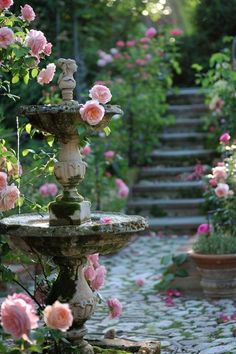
<point x="169" y="191"/>
<point x="183" y="325"/>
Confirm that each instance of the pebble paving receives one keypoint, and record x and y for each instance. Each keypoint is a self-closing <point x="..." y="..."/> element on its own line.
<point x="191" y="326"/>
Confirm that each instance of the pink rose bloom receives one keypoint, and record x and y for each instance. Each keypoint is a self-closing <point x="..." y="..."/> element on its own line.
<point x="225" y="138"/>
<point x="115" y="307"/>
<point x="92" y="112"/>
<point x="176" y="32"/>
<point x="3" y="180"/>
<point x="24" y="297"/>
<point x="89" y="273"/>
<point x="99" y="279"/>
<point x="140" y="282"/>
<point x="119" y="182"/>
<point x="8" y="197"/>
<point x="117" y="56"/>
<point x="109" y="154"/>
<point x="204" y="229"/>
<point x="46" y="75"/>
<point x="106" y="220"/>
<point x="120" y="44"/>
<point x="48" y="189"/>
<point x="58" y="316"/>
<point x="123" y="191"/>
<point x="6" y="37"/>
<point x="100" y="93"/>
<point x="18" y="318"/>
<point x="101" y="62"/>
<point x="94" y="260"/>
<point x="145" y="40"/>
<point x="131" y="43"/>
<point x="151" y="32"/>
<point x="222" y="190"/>
<point x="86" y="150"/>
<point x="5" y="4"/>
<point x="219" y="172"/>
<point x="28" y="13"/>
<point x="36" y="41"/>
<point x="48" y="49"/>
<point x="140" y="62"/>
<point x="213" y="182"/>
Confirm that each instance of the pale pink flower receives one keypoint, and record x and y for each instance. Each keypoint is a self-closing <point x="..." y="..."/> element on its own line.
<point x="24" y="297"/>
<point x="131" y="43"/>
<point x="101" y="62"/>
<point x="222" y="190"/>
<point x="115" y="307"/>
<point x="225" y="138"/>
<point x="100" y="93"/>
<point x="119" y="182"/>
<point x="8" y="197"/>
<point x="92" y="112"/>
<point x="123" y="192"/>
<point x="5" y="4"/>
<point x="48" y="189"/>
<point x="109" y="154"/>
<point x="176" y="32"/>
<point x="18" y="318"/>
<point x="219" y="172"/>
<point x="6" y="37"/>
<point x="86" y="150"/>
<point x="58" y="316"/>
<point x="46" y="75"/>
<point x="120" y="44"/>
<point x="28" y="13"/>
<point x="140" y="282"/>
<point x="99" y="279"/>
<point x="36" y="41"/>
<point x="204" y="229"/>
<point x="106" y="220"/>
<point x="48" y="49"/>
<point x="3" y="180"/>
<point x="89" y="273"/>
<point x="151" y="32"/>
<point x="94" y="260"/>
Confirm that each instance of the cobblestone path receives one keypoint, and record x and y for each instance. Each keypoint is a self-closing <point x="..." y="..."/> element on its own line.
<point x="191" y="326"/>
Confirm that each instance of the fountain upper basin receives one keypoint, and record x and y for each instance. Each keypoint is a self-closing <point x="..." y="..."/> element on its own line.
<point x="32" y="233"/>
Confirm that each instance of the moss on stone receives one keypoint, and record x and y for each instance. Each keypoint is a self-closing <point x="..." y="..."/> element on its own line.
<point x="63" y="210"/>
<point x="98" y="350"/>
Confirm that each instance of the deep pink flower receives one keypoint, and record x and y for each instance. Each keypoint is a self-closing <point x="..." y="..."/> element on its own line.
<point x="222" y="190"/>
<point x="176" y="32"/>
<point x="120" y="44"/>
<point x="131" y="43"/>
<point x="123" y="192"/>
<point x="213" y="182"/>
<point x="48" y="49"/>
<point x="106" y="220"/>
<point x="86" y="150"/>
<point x="92" y="112"/>
<point x="46" y="75"/>
<point x="28" y="13"/>
<point x="119" y="182"/>
<point x="204" y="229"/>
<point x="109" y="154"/>
<point x="36" y="41"/>
<point x="225" y="138"/>
<point x="8" y="197"/>
<point x="99" y="279"/>
<point x="151" y="32"/>
<point x="3" y="180"/>
<point x="48" y="189"/>
<point x="5" y="4"/>
<point x="140" y="282"/>
<point x="58" y="316"/>
<point x="115" y="307"/>
<point x="169" y="301"/>
<point x="101" y="93"/>
<point x="6" y="37"/>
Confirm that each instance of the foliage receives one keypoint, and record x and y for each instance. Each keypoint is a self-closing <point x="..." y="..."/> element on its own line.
<point x="216" y="244"/>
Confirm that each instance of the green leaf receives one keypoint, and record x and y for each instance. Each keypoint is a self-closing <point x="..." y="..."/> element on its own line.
<point x="165" y="260"/>
<point x="27" y="151"/>
<point x="107" y="131"/>
<point x="15" y="79"/>
<point x="26" y="78"/>
<point x="180" y="259"/>
<point x="181" y="273"/>
<point x="28" y="128"/>
<point x="50" y="140"/>
<point x="34" y="72"/>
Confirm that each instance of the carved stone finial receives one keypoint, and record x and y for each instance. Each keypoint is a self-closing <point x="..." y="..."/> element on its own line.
<point x="66" y="80"/>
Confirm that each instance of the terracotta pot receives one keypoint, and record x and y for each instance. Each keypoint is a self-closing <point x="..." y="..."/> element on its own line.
<point x="218" y="274"/>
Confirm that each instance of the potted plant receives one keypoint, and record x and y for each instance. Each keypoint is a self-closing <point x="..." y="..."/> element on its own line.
<point x="214" y="252"/>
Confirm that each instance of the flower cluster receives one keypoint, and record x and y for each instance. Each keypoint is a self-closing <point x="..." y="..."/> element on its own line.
<point x="19" y="318"/>
<point x="48" y="190"/>
<point x="8" y="193"/>
<point x="93" y="110"/>
<point x="95" y="273"/>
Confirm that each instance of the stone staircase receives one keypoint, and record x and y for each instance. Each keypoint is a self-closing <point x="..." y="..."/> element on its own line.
<point x="164" y="192"/>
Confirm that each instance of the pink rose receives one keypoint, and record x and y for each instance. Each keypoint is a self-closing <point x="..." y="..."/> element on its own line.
<point x="3" y="180"/>
<point x="151" y="32"/>
<point x="100" y="93"/>
<point x="5" y="4"/>
<point x="109" y="154"/>
<point x="115" y="307"/>
<point x="106" y="220"/>
<point x="131" y="43"/>
<point x="204" y="229"/>
<point x="28" y="13"/>
<point x="117" y="56"/>
<point x="222" y="190"/>
<point x="140" y="282"/>
<point x="8" y="197"/>
<point x="6" y="37"/>
<point x="145" y="40"/>
<point x="120" y="44"/>
<point x="48" y="49"/>
<point x="123" y="189"/>
<point x="58" y="316"/>
<point x="92" y="112"/>
<point x="36" y="41"/>
<point x="213" y="182"/>
<point x="86" y="150"/>
<point x="99" y="279"/>
<point x="225" y="138"/>
<point x="46" y="75"/>
<point x="48" y="189"/>
<point x="119" y="182"/>
<point x="140" y="62"/>
<point x="219" y="172"/>
<point x="18" y="318"/>
<point x="89" y="273"/>
<point x="24" y="297"/>
<point x="176" y="32"/>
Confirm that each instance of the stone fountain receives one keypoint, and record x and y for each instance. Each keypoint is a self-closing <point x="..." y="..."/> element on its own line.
<point x="70" y="232"/>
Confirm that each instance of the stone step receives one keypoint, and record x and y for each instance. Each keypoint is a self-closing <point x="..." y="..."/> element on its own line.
<point x="188" y="110"/>
<point x="185" y="125"/>
<point x="174" y="157"/>
<point x="177" y="224"/>
<point x="166" y="171"/>
<point x="161" y="207"/>
<point x="186" y="95"/>
<point x="191" y="139"/>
